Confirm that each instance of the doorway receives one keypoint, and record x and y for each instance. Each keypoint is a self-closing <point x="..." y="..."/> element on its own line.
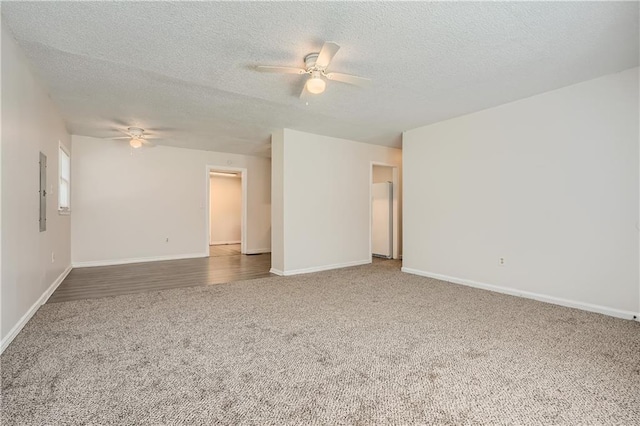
<point x="384" y="215"/>
<point x="226" y="218"/>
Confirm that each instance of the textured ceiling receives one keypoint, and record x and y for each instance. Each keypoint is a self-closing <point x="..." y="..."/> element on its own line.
<point x="187" y="67"/>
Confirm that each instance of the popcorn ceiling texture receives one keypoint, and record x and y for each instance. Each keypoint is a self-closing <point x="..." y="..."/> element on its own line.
<point x="187" y="66"/>
<point x="363" y="345"/>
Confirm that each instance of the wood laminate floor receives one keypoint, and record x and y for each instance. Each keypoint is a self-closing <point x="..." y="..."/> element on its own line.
<point x="224" y="250"/>
<point x="102" y="281"/>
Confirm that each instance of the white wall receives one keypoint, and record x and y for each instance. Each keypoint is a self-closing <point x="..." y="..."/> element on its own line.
<point x="324" y="193"/>
<point x="127" y="202"/>
<point x="30" y="124"/>
<point x="277" y="200"/>
<point x="225" y="209"/>
<point x="550" y="183"/>
<point x="382" y="174"/>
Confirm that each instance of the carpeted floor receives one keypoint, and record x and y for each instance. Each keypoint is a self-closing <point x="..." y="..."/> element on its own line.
<point x="363" y="345"/>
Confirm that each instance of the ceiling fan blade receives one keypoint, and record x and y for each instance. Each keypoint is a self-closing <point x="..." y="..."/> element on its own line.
<point x="116" y="122"/>
<point x="155" y="129"/>
<point x="124" y="132"/>
<point x="281" y="70"/>
<point x="328" y="51"/>
<point x="349" y="79"/>
<point x="121" y="137"/>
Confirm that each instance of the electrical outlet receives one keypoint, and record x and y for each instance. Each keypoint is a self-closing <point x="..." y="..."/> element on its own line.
<point x="502" y="261"/>
<point x="53" y="257"/>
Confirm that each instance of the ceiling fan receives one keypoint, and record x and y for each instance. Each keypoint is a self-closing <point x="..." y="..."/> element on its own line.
<point x="316" y="65"/>
<point x="137" y="137"/>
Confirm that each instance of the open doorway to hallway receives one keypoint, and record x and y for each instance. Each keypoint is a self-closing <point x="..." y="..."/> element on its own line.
<point x="384" y="235"/>
<point x="226" y="212"/>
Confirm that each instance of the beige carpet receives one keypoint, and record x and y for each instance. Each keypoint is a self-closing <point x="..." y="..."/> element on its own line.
<point x="364" y="345"/>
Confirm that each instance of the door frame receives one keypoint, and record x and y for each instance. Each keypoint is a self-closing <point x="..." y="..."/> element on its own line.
<point x="243" y="210"/>
<point x="396" y="207"/>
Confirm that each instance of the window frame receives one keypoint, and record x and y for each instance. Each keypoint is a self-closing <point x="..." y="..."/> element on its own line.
<point x="66" y="209"/>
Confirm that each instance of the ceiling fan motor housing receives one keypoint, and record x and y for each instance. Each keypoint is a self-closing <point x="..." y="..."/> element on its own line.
<point x="136" y="132"/>
<point x="310" y="60"/>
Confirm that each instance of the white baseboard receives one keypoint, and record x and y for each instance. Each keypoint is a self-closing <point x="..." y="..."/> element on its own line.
<point x="33" y="309"/>
<point x="223" y="243"/>
<point x="258" y="251"/>
<point x="112" y="262"/>
<point x="319" y="268"/>
<point x="618" y="313"/>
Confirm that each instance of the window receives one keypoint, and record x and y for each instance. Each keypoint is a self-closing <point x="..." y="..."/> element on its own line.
<point x="64" y="183"/>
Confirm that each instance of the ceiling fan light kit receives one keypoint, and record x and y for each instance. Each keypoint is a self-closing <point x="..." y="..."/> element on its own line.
<point x="136" y="135"/>
<point x="316" y="67"/>
<point x="316" y="84"/>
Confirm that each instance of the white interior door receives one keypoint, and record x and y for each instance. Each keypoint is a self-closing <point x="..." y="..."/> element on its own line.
<point x="382" y="219"/>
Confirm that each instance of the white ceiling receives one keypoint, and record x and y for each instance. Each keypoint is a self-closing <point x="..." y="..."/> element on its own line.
<point x="187" y="67"/>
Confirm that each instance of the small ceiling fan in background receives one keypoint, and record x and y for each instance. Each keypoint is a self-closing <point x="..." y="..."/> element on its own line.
<point x="316" y="65"/>
<point x="137" y="137"/>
